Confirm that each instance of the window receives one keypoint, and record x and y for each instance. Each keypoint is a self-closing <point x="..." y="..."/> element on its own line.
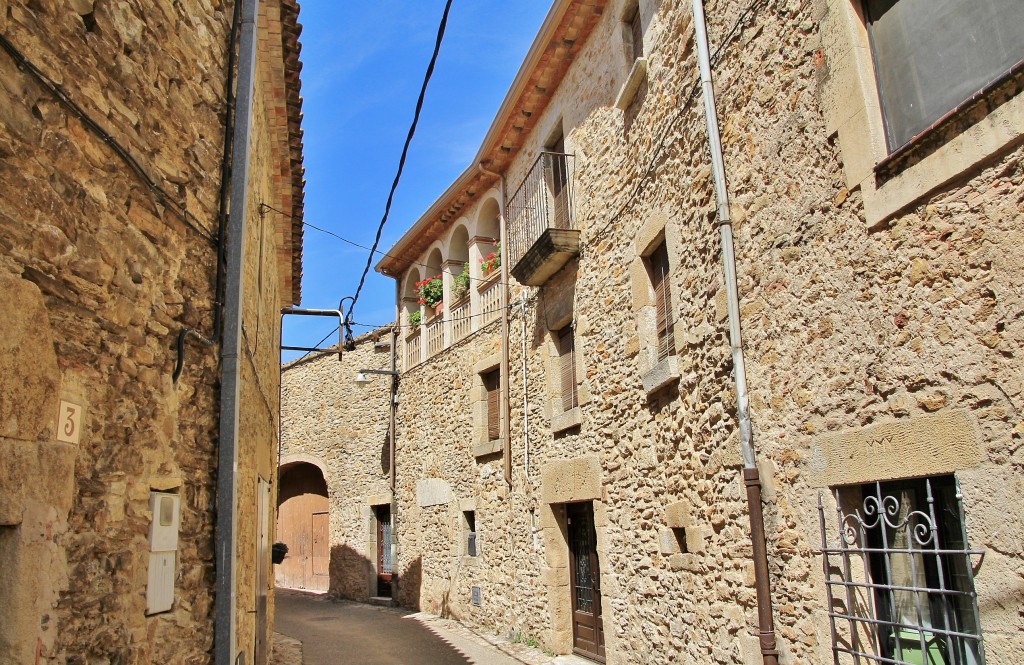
<point x="469" y="518"/>
<point x="657" y="264"/>
<point x="636" y="34"/>
<point x="930" y="56"/>
<point x="492" y="383"/>
<point x="915" y="599"/>
<point x="567" y="367"/>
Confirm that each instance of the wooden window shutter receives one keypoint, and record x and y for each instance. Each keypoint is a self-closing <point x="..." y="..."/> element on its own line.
<point x="567" y="367"/>
<point x="662" y="301"/>
<point x="492" y="381"/>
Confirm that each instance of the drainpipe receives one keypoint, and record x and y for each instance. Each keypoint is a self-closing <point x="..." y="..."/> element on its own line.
<point x="506" y="411"/>
<point x="526" y="414"/>
<point x="227" y="458"/>
<point x="766" y="626"/>
<point x="392" y="430"/>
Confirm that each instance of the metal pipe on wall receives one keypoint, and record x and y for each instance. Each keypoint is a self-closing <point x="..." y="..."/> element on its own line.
<point x="751" y="479"/>
<point x="225" y="540"/>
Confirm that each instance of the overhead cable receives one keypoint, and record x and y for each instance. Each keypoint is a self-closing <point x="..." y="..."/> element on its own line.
<point x="405" y="152"/>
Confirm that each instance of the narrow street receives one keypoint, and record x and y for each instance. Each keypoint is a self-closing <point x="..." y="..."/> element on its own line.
<point x="347" y="633"/>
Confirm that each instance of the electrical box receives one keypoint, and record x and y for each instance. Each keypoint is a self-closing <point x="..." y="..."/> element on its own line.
<point x="163" y="530"/>
<point x="163" y="546"/>
<point x="160" y="588"/>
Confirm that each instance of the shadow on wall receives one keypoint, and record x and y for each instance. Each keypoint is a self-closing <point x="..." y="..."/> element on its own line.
<point x="351" y="574"/>
<point x="409" y="584"/>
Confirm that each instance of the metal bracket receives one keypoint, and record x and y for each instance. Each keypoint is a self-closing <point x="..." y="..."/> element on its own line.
<point x="299" y="311"/>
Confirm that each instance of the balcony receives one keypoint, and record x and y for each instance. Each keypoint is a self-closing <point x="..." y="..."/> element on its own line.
<point x="542" y="233"/>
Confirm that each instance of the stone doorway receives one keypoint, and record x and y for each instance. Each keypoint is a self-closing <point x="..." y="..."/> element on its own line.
<point x="384" y="550"/>
<point x="302" y="525"/>
<point x="585" y="581"/>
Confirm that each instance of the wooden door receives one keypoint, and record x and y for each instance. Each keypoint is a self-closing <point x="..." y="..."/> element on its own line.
<point x="303" y="495"/>
<point x="585" y="582"/>
<point x="321" y="555"/>
<point x="384" y="550"/>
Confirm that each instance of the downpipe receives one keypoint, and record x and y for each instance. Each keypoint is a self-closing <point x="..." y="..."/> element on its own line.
<point x="225" y="540"/>
<point x="751" y="479"/>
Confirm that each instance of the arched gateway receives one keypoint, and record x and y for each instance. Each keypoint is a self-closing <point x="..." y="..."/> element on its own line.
<point x="303" y="524"/>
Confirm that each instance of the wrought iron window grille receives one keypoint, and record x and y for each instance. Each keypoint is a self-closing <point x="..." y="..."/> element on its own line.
<point x="899" y="577"/>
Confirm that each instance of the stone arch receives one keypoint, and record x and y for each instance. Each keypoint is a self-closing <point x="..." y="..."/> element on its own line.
<point x="434" y="261"/>
<point x="458" y="244"/>
<point x="410" y="294"/>
<point x="488" y="220"/>
<point x="303" y="523"/>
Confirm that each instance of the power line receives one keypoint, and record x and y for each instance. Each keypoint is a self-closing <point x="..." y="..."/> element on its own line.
<point x="378" y="252"/>
<point x="405" y="152"/>
<point x="57" y="92"/>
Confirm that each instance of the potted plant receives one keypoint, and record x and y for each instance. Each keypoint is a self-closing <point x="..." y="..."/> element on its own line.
<point x="431" y="291"/>
<point x="491" y="262"/>
<point x="460" y="283"/>
<point x="415" y="318"/>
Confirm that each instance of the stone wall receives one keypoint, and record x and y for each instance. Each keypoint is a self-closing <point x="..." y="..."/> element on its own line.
<point x="905" y="325"/>
<point x="101" y="273"/>
<point x="342" y="429"/>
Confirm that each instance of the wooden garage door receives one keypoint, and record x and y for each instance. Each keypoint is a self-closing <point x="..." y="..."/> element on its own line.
<point x="302" y="521"/>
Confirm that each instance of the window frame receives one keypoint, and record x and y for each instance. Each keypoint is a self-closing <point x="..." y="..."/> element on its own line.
<point x="492" y="403"/>
<point x="849" y="99"/>
<point x="565" y="342"/>
<point x="914" y="526"/>
<point x="659" y="270"/>
<point x="888" y="121"/>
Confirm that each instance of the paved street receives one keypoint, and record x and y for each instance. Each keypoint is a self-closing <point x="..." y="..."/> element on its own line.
<point x="347" y="633"/>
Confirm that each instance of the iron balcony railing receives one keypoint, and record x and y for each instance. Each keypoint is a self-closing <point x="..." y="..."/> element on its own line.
<point x="543" y="201"/>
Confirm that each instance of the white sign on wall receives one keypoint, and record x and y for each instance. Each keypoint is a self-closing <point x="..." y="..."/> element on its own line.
<point x="69" y="422"/>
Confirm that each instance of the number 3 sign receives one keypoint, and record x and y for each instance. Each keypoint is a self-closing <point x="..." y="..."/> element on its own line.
<point x="69" y="422"/>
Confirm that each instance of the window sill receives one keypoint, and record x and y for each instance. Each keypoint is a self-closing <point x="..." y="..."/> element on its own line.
<point x="566" y="420"/>
<point x="488" y="448"/>
<point x="1010" y="84"/>
<point x="628" y="91"/>
<point x="470" y="561"/>
<point x="661" y="375"/>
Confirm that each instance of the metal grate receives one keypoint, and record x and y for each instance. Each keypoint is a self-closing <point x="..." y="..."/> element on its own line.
<point x="386" y="549"/>
<point x="899" y="577"/>
<point x="476" y="595"/>
<point x="543" y="201"/>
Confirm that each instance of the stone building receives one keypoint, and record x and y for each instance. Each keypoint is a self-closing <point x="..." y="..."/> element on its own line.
<point x="569" y="449"/>
<point x="138" y="379"/>
<point x="335" y="470"/>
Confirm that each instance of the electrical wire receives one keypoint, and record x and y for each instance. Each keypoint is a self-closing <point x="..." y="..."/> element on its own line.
<point x="677" y="116"/>
<point x="163" y="197"/>
<point x="266" y="206"/>
<point x="405" y="152"/>
<point x="671" y="125"/>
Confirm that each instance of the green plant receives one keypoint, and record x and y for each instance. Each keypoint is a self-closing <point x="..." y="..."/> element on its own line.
<point x="431" y="290"/>
<point x="415" y="318"/>
<point x="460" y="283"/>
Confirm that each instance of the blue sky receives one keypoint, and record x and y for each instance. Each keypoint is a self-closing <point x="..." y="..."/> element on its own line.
<point x="363" y="64"/>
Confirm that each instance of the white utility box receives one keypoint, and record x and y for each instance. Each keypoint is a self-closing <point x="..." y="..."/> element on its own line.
<point x="163" y="546"/>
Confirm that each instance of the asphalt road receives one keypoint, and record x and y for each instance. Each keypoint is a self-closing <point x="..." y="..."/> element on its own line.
<point x="347" y="633"/>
